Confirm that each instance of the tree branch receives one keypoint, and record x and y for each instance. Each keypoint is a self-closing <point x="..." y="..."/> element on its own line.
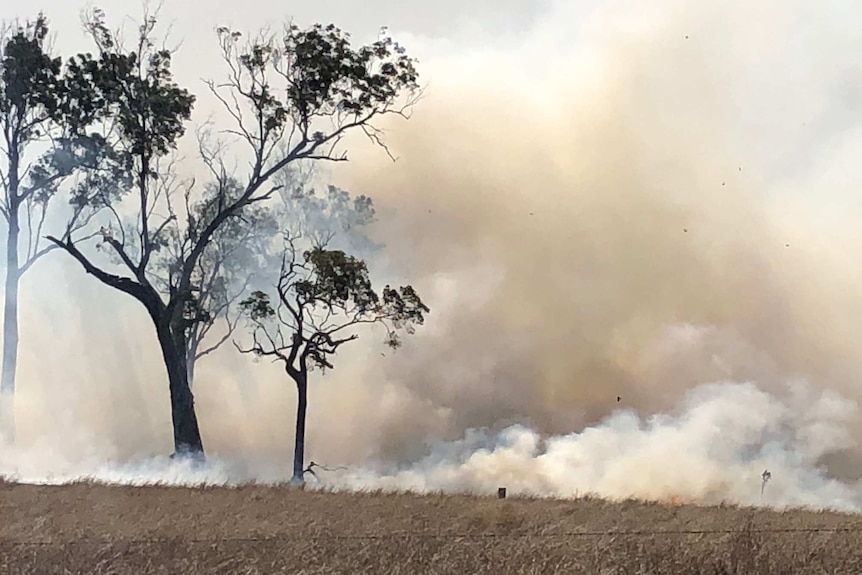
<point x="32" y="259"/>
<point x="126" y="285"/>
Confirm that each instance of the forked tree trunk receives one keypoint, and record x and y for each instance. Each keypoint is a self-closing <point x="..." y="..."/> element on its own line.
<point x="187" y="436"/>
<point x="10" y="331"/>
<point x="299" y="437"/>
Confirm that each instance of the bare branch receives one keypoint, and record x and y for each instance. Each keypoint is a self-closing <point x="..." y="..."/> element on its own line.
<point x="231" y="327"/>
<point x="126" y="285"/>
<point x="35" y="257"/>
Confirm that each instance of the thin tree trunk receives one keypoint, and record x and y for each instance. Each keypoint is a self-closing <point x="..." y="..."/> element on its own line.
<point x="299" y="438"/>
<point x="187" y="436"/>
<point x="10" y="329"/>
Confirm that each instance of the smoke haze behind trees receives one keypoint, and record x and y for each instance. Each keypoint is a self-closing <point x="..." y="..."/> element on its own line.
<point x="624" y="201"/>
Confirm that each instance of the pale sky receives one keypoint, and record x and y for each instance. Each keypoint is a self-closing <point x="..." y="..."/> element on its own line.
<point x="197" y="18"/>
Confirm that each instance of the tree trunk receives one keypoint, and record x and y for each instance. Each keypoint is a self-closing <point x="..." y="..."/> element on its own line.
<point x="187" y="436"/>
<point x="10" y="330"/>
<point x="299" y="438"/>
<point x="191" y="358"/>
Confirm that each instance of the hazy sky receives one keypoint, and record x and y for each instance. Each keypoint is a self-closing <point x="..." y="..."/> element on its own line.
<point x="196" y="19"/>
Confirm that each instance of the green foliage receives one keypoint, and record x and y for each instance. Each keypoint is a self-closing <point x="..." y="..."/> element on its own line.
<point x="321" y="300"/>
<point x="405" y="309"/>
<point x="257" y="306"/>
<point x="336" y="280"/>
<point x="29" y="76"/>
<point x="324" y="72"/>
<point x="37" y="111"/>
<point x="124" y="113"/>
<point x="132" y="96"/>
<point x="311" y="74"/>
<point x="138" y="91"/>
<point x="136" y="109"/>
<point x="31" y="93"/>
<point x="290" y="83"/>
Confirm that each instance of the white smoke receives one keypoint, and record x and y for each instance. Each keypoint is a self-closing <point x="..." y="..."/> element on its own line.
<point x="713" y="449"/>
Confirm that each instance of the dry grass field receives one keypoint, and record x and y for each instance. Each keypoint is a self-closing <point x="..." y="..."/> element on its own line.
<point x="89" y="528"/>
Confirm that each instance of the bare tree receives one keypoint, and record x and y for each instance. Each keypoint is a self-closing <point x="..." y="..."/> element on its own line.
<point x="292" y="97"/>
<point x="322" y="297"/>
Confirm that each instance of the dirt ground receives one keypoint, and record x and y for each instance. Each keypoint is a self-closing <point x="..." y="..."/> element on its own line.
<point x="88" y="528"/>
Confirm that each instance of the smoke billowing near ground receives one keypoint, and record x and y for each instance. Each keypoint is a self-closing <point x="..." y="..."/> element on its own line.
<point x="636" y="228"/>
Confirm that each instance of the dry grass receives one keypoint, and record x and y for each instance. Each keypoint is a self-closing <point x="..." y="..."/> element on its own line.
<point x="89" y="528"/>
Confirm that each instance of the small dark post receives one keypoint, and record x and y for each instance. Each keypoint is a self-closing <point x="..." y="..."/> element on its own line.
<point x="501" y="493"/>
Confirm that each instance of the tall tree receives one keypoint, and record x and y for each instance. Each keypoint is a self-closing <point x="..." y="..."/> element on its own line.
<point x="322" y="297"/>
<point x="144" y="113"/>
<point x="37" y="153"/>
<point x="292" y="98"/>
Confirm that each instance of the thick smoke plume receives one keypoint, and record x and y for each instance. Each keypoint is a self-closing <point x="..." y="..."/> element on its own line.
<point x="712" y="451"/>
<point x="636" y="228"/>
